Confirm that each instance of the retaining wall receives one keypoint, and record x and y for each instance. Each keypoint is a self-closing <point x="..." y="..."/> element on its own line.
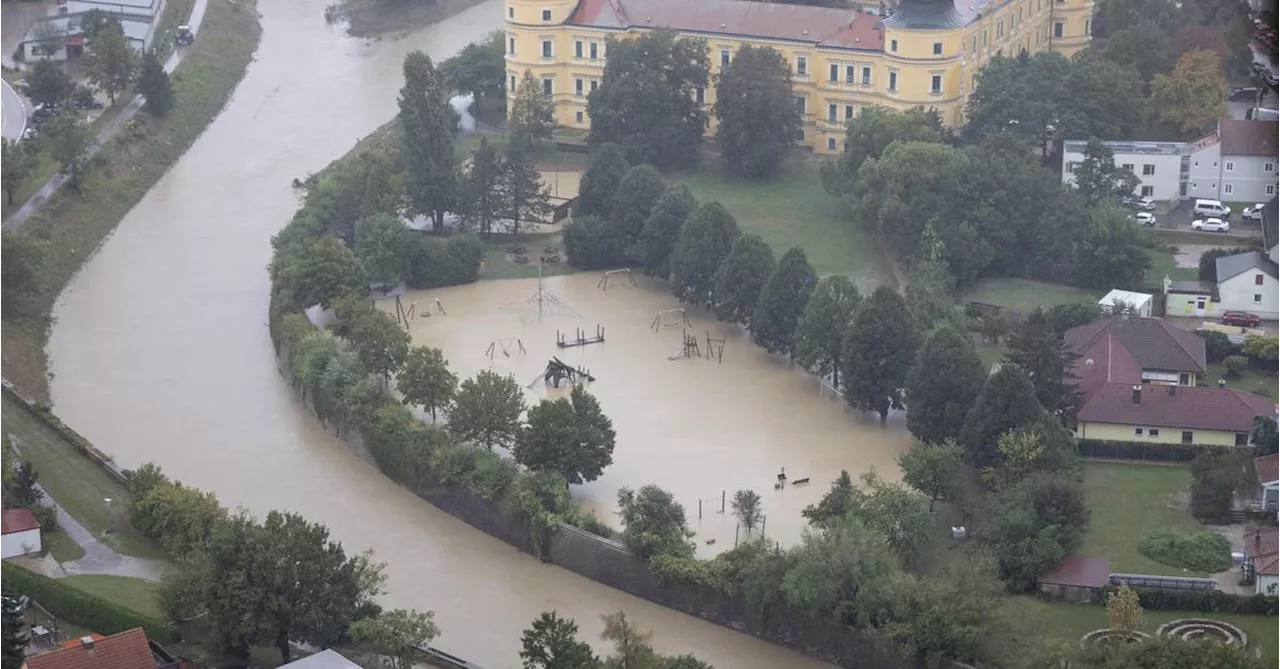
<point x="43" y="414"/>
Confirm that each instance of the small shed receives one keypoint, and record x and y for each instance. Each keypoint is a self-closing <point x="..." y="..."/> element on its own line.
<point x="1138" y="304"/>
<point x="1077" y="578"/>
<point x="21" y="533"/>
<point x="325" y="659"/>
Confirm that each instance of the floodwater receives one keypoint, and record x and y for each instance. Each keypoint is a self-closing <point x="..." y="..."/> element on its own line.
<point x="697" y="427"/>
<point x="161" y="352"/>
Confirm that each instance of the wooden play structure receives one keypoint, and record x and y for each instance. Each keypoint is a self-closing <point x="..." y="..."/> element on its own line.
<point x="688" y="347"/>
<point x="403" y="315"/>
<point x="669" y="318"/>
<point x="715" y="348"/>
<point x="505" y="346"/>
<point x="580" y="338"/>
<point x="558" y="371"/>
<point x="604" y="280"/>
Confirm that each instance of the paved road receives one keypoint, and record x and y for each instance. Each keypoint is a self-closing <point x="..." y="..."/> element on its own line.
<point x="13" y="112"/>
<point x="19" y="217"/>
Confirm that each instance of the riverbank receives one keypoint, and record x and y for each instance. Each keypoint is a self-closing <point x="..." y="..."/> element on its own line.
<point x="71" y="225"/>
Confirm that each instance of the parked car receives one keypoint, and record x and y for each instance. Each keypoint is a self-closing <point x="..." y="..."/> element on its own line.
<point x="1147" y="219"/>
<point x="1146" y="203"/>
<point x="1252" y="212"/>
<point x="184" y="36"/>
<point x="1241" y="318"/>
<point x="1244" y="95"/>
<point x="1210" y="225"/>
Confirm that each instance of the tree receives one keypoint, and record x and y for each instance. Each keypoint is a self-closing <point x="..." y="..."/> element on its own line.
<point x="782" y="301"/>
<point x="633" y="647"/>
<point x="950" y="615"/>
<point x="662" y="229"/>
<point x="382" y="244"/>
<point x="1208" y="271"/>
<point x="1264" y="436"/>
<point x="1007" y="401"/>
<point x="833" y="505"/>
<point x="527" y="198"/>
<point x="820" y="332"/>
<point x="110" y="61"/>
<point x="706" y="238"/>
<point x="936" y="470"/>
<point x="16" y="164"/>
<point x="592" y="243"/>
<point x="426" y="380"/>
<point x="869" y="134"/>
<point x="740" y="278"/>
<point x="21" y="260"/>
<point x="69" y="142"/>
<point x="155" y="86"/>
<point x="878" y="351"/>
<point x="601" y="181"/>
<point x="1092" y="108"/>
<point x="756" y="111"/>
<point x="570" y="437"/>
<point x="480" y="188"/>
<point x="13" y="647"/>
<point x="746" y="506"/>
<point x="1044" y="356"/>
<point x="1035" y="524"/>
<point x="1144" y="46"/>
<point x="552" y="643"/>
<point x="1176" y="653"/>
<point x="1124" y="611"/>
<point x="325" y="272"/>
<point x="647" y="100"/>
<point x="180" y="518"/>
<point x="48" y="84"/>
<point x="1099" y="179"/>
<point x="638" y="191"/>
<point x="1194" y="96"/>
<point x="833" y="566"/>
<point x="1063" y="317"/>
<point x="395" y="636"/>
<point x="479" y="69"/>
<point x="144" y="479"/>
<point x="1216" y="477"/>
<point x="941" y="385"/>
<point x="1109" y="252"/>
<point x="380" y="344"/>
<point x="898" y="514"/>
<point x="487" y="410"/>
<point x="427" y="122"/>
<point x="1022" y="95"/>
<point x="26" y="491"/>
<point x="94" y="21"/>
<point x="533" y="113"/>
<point x="653" y="522"/>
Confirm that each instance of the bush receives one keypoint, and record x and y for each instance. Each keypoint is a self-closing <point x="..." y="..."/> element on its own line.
<point x="47" y="516"/>
<point x="1217" y="346"/>
<point x="589" y="523"/>
<point x="1216" y="476"/>
<point x="83" y="609"/>
<point x="1201" y="551"/>
<point x="1203" y="601"/>
<point x="1138" y="450"/>
<point x="433" y="265"/>
<point x="1235" y="365"/>
<point x="593" y="243"/>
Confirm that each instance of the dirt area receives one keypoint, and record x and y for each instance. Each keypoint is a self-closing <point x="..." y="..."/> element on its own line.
<point x="1189" y="255"/>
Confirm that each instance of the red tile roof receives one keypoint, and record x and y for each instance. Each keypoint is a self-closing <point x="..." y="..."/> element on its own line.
<point x="126" y="650"/>
<point x="1263" y="547"/>
<point x="1248" y="138"/>
<point x="1190" y="408"/>
<point x="1079" y="571"/>
<point x="18" y="520"/>
<point x="1106" y="361"/>
<point x="1268" y="468"/>
<point x="1153" y="342"/>
<point x="838" y="28"/>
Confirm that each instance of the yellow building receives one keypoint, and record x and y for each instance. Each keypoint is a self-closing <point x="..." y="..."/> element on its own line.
<point x="1171" y="414"/>
<point x="926" y="54"/>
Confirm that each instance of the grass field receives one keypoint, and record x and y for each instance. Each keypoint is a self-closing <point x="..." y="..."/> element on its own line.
<point x="792" y="209"/>
<point x="498" y="266"/>
<point x="61" y="546"/>
<point x="1128" y="500"/>
<point x="1025" y="295"/>
<point x="78" y="484"/>
<point x="1250" y="380"/>
<point x="132" y="593"/>
<point x="1163" y="264"/>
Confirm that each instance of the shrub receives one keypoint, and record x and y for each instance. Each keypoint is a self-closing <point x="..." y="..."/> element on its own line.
<point x="1140" y="450"/>
<point x="589" y="523"/>
<point x="491" y="474"/>
<point x="453" y="463"/>
<point x="593" y="243"/>
<point x="1234" y="365"/>
<point x="1215" y="478"/>
<point x="1203" y="601"/>
<point x="1217" y="346"/>
<point x="432" y="264"/>
<point x="81" y="608"/>
<point x="1201" y="551"/>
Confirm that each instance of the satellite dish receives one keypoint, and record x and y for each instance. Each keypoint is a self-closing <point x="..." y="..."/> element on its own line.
<point x="1088" y="363"/>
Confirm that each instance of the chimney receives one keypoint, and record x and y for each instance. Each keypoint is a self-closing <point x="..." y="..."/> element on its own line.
<point x="1173" y="389"/>
<point x="87" y="642"/>
<point x="1137" y="394"/>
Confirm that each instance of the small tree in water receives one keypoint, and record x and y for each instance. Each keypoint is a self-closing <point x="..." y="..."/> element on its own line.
<point x="746" y="506"/>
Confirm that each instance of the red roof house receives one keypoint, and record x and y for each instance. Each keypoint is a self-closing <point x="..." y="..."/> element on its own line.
<point x="126" y="650"/>
<point x="1193" y="415"/>
<point x="21" y="535"/>
<point x="1078" y="578"/>
<point x="1262" y="557"/>
<point x="1131" y="350"/>
<point x="18" y="520"/>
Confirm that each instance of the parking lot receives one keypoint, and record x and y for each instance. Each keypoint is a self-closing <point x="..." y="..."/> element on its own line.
<point x="1180" y="217"/>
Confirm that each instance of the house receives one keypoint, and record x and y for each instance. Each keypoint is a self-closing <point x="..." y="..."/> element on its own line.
<point x="127" y="650"/>
<point x="60" y="37"/>
<point x="1262" y="559"/>
<point x="21" y="535"/>
<point x="1171" y="414"/>
<point x="1077" y="578"/>
<point x="1137" y="304"/>
<point x="926" y="53"/>
<point x="1268" y="494"/>
<point x="1248" y="282"/>
<point x="1134" y="350"/>
<point x="1193" y="299"/>
<point x="325" y="659"/>
<point x="1238" y="162"/>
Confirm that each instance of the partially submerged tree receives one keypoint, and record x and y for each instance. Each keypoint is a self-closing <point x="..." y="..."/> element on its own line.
<point x="662" y="229"/>
<point x="746" y="506"/>
<point x="426" y="380"/>
<point x="820" y="332"/>
<point x="654" y="522"/>
<point x="941" y="386"/>
<point x="878" y="352"/>
<point x="740" y="278"/>
<point x="782" y="301"/>
<point x="571" y="437"/>
<point x="486" y="410"/>
<point x="706" y="239"/>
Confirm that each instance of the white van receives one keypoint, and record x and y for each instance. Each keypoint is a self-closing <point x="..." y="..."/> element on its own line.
<point x="1263" y="114"/>
<point x="1211" y="208"/>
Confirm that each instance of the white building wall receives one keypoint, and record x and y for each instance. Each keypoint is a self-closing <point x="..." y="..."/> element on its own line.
<point x="1266" y="585"/>
<point x="1248" y="178"/>
<point x="1158" y="171"/>
<point x="15" y="544"/>
<point x="1205" y="173"/>
<point x="1242" y="293"/>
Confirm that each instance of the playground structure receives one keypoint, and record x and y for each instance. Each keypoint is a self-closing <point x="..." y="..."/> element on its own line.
<point x="505" y="346"/>
<point x="403" y="316"/>
<point x="557" y="371"/>
<point x="715" y="348"/>
<point x="669" y="318"/>
<point x="543" y="303"/>
<point x="604" y="280"/>
<point x="580" y="338"/>
<point x="688" y="347"/>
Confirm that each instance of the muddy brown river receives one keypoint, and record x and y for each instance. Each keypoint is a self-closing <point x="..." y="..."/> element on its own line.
<point x="161" y="353"/>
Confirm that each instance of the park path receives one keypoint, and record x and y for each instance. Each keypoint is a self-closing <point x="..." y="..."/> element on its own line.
<point x="20" y="217"/>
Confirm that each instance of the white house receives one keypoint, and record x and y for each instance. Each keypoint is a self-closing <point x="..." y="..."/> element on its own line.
<point x="1248" y="282"/>
<point x="21" y="533"/>
<point x="59" y="37"/>
<point x="1138" y="304"/>
<point x="1236" y="163"/>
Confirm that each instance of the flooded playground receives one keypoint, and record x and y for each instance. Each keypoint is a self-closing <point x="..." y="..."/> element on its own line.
<point x="700" y="423"/>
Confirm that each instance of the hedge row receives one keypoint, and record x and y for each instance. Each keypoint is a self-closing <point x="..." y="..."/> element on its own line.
<point x="1204" y="601"/>
<point x="81" y="608"/>
<point x="1136" y="450"/>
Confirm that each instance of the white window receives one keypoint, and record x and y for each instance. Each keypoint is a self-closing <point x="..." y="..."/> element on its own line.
<point x="832" y="111"/>
<point x="1148" y="169"/>
<point x="546" y="48"/>
<point x="893" y="45"/>
<point x="866" y="75"/>
<point x="1229" y="166"/>
<point x="1148" y="191"/>
<point x="577" y="87"/>
<point x="1268" y="167"/>
<point x="1137" y="432"/>
<point x="1057" y="28"/>
<point x="800" y="103"/>
<point x="724" y="58"/>
<point x="511" y="46"/>
<point x="802" y="66"/>
<point x="1228" y="188"/>
<point x="577" y="48"/>
<point x="893" y="80"/>
<point x="935" y="84"/>
<point x="848" y="112"/>
<point x="937" y="48"/>
<point x="546" y="15"/>
<point x="548" y="85"/>
<point x="831" y="143"/>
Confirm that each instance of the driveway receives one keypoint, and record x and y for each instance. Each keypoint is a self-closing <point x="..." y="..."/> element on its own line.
<point x="1180" y="217"/>
<point x="13" y="112"/>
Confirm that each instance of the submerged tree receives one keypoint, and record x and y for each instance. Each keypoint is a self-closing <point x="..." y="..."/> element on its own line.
<point x="740" y="278"/>
<point x="426" y="380"/>
<point x="552" y="643"/>
<point x="782" y="300"/>
<point x="662" y="229"/>
<point x="878" y="352"/>
<point x="486" y="410"/>
<point x="820" y="332"/>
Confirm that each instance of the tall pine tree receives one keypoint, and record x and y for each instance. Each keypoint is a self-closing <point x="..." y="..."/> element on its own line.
<point x="1007" y="402"/>
<point x="782" y="300"/>
<point x="822" y="327"/>
<point x="600" y="182"/>
<point x="942" y="385"/>
<point x="705" y="240"/>
<point x="740" y="278"/>
<point x="427" y="121"/>
<point x="533" y="113"/>
<point x="878" y="353"/>
<point x="15" y="633"/>
<point x="1044" y="356"/>
<point x="480" y="192"/>
<point x="527" y="199"/>
<point x="154" y="85"/>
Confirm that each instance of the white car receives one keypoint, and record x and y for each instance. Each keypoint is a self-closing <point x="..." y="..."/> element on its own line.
<point x="1147" y="219"/>
<point x="1210" y="225"/>
<point x="1253" y="212"/>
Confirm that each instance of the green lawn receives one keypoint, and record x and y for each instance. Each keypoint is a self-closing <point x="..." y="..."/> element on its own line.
<point x="792" y="209"/>
<point x="1025" y="294"/>
<point x="133" y="593"/>
<point x="497" y="266"/>
<point x="1163" y="264"/>
<point x="62" y="547"/>
<point x="1037" y="618"/>
<point x="1250" y="380"/>
<point x="1127" y="501"/>
<point x="78" y="484"/>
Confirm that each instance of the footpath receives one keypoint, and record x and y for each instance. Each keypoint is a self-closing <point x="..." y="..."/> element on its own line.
<point x="20" y="217"/>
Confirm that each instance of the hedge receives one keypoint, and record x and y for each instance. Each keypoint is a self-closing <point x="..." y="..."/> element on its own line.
<point x="1137" y="450"/>
<point x="1203" y="601"/>
<point x="83" y="609"/>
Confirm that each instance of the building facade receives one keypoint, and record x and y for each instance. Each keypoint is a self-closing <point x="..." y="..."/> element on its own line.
<point x="1247" y="282"/>
<point x="926" y="54"/>
<point x="1171" y="414"/>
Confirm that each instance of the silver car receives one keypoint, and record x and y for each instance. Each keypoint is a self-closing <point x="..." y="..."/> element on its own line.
<point x="1210" y="225"/>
